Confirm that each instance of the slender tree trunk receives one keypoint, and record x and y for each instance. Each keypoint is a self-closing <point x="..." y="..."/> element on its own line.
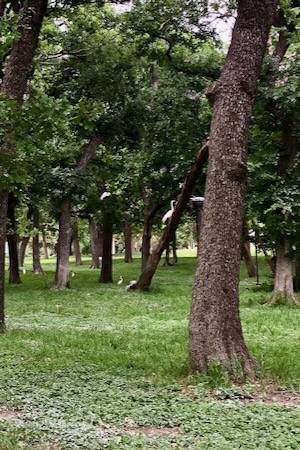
<point x="215" y="332"/>
<point x="283" y="289"/>
<point x="63" y="246"/>
<point x="128" y="241"/>
<point x="145" y="279"/>
<point x="17" y="72"/>
<point x="96" y="244"/>
<point x="12" y="240"/>
<point x="76" y="243"/>
<point x="246" y="254"/>
<point x="36" y="260"/>
<point x="167" y="262"/>
<point x="147" y="235"/>
<point x="45" y="247"/>
<point x="174" y="250"/>
<point x="22" y="250"/>
<point x="106" y="275"/>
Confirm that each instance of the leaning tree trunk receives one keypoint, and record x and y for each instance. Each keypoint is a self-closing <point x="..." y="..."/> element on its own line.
<point x="16" y="75"/>
<point x="12" y="240"/>
<point x="145" y="279"/>
<point x="106" y="275"/>
<point x="128" y="241"/>
<point x="215" y="331"/>
<point x="36" y="260"/>
<point x="63" y="245"/>
<point x="284" y="289"/>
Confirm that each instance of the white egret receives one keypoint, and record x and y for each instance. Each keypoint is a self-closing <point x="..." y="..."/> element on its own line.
<point x="169" y="213"/>
<point x="120" y="280"/>
<point x="105" y="194"/>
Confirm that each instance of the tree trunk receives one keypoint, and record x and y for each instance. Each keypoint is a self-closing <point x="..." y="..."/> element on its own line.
<point x="174" y="250"/>
<point x="283" y="289"/>
<point x="96" y="244"/>
<point x="45" y="247"/>
<point x="63" y="246"/>
<point x="297" y="275"/>
<point x="12" y="240"/>
<point x="145" y="279"/>
<point x="215" y="332"/>
<point x="76" y="243"/>
<point x="22" y="250"/>
<point x="128" y="241"/>
<point x="17" y="72"/>
<point x="246" y="254"/>
<point x="36" y="260"/>
<point x="147" y="235"/>
<point x="106" y="267"/>
<point x="167" y="262"/>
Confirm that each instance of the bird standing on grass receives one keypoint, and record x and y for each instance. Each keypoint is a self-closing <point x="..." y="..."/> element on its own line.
<point x="120" y="280"/>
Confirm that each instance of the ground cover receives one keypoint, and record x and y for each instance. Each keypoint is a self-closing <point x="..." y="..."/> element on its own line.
<point x="97" y="367"/>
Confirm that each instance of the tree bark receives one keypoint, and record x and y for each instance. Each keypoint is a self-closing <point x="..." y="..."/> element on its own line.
<point x="45" y="247"/>
<point x="17" y="72"/>
<point x="215" y="331"/>
<point x="128" y="241"/>
<point x="63" y="247"/>
<point x="283" y="289"/>
<point x="147" y="235"/>
<point x="36" y="260"/>
<point x="76" y="243"/>
<point x="96" y="244"/>
<point x="12" y="240"/>
<point x="22" y="250"/>
<point x="106" y="275"/>
<point x="145" y="279"/>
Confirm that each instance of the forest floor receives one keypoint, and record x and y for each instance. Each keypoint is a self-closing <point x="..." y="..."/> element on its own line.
<point x="98" y="367"/>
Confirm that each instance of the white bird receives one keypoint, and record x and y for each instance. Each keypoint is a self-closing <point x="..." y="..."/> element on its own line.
<point x="131" y="285"/>
<point x="23" y="270"/>
<point x="120" y="280"/>
<point x="169" y="213"/>
<point x="105" y="194"/>
<point x="73" y="274"/>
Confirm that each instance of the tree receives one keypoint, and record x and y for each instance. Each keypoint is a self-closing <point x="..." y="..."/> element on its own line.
<point x="215" y="332"/>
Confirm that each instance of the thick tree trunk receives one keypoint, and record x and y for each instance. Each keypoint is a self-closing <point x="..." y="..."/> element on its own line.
<point x="17" y="72"/>
<point x="128" y="241"/>
<point x="283" y="289"/>
<point x="12" y="240"/>
<point x="215" y="332"/>
<point x="36" y="260"/>
<point x="96" y="244"/>
<point x="145" y="279"/>
<point x="106" y="275"/>
<point x="63" y="246"/>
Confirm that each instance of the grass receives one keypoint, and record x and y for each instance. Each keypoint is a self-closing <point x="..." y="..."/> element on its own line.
<point x="97" y="367"/>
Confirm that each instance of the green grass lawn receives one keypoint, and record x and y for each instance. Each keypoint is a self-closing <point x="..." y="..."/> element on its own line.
<point x="97" y="367"/>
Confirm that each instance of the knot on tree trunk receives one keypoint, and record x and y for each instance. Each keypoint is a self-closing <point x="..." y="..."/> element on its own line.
<point x="212" y="91"/>
<point x="237" y="171"/>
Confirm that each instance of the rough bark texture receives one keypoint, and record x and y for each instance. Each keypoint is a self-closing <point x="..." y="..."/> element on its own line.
<point x="215" y="332"/>
<point x="128" y="241"/>
<point x="106" y="275"/>
<point x="17" y="72"/>
<point x="12" y="240"/>
<point x="36" y="260"/>
<point x="145" y="279"/>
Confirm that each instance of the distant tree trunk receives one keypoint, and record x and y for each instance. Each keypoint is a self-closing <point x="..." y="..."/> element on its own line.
<point x="246" y="254"/>
<point x="76" y="244"/>
<point x="145" y="279"/>
<point x="215" y="332"/>
<point x="283" y="289"/>
<point x="96" y="244"/>
<point x="167" y="262"/>
<point x="22" y="250"/>
<point x="174" y="250"/>
<point x="106" y="275"/>
<point x="63" y="245"/>
<point x="128" y="241"/>
<point x="16" y="75"/>
<point x="12" y="240"/>
<point x="147" y="235"/>
<point x="36" y="260"/>
<point x="45" y="247"/>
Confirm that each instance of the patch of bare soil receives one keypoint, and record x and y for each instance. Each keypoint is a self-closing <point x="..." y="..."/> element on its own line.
<point x="270" y="396"/>
<point x="152" y="431"/>
<point x="7" y="414"/>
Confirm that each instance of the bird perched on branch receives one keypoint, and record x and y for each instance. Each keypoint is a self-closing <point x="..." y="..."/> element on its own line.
<point x="104" y="195"/>
<point x="169" y="213"/>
